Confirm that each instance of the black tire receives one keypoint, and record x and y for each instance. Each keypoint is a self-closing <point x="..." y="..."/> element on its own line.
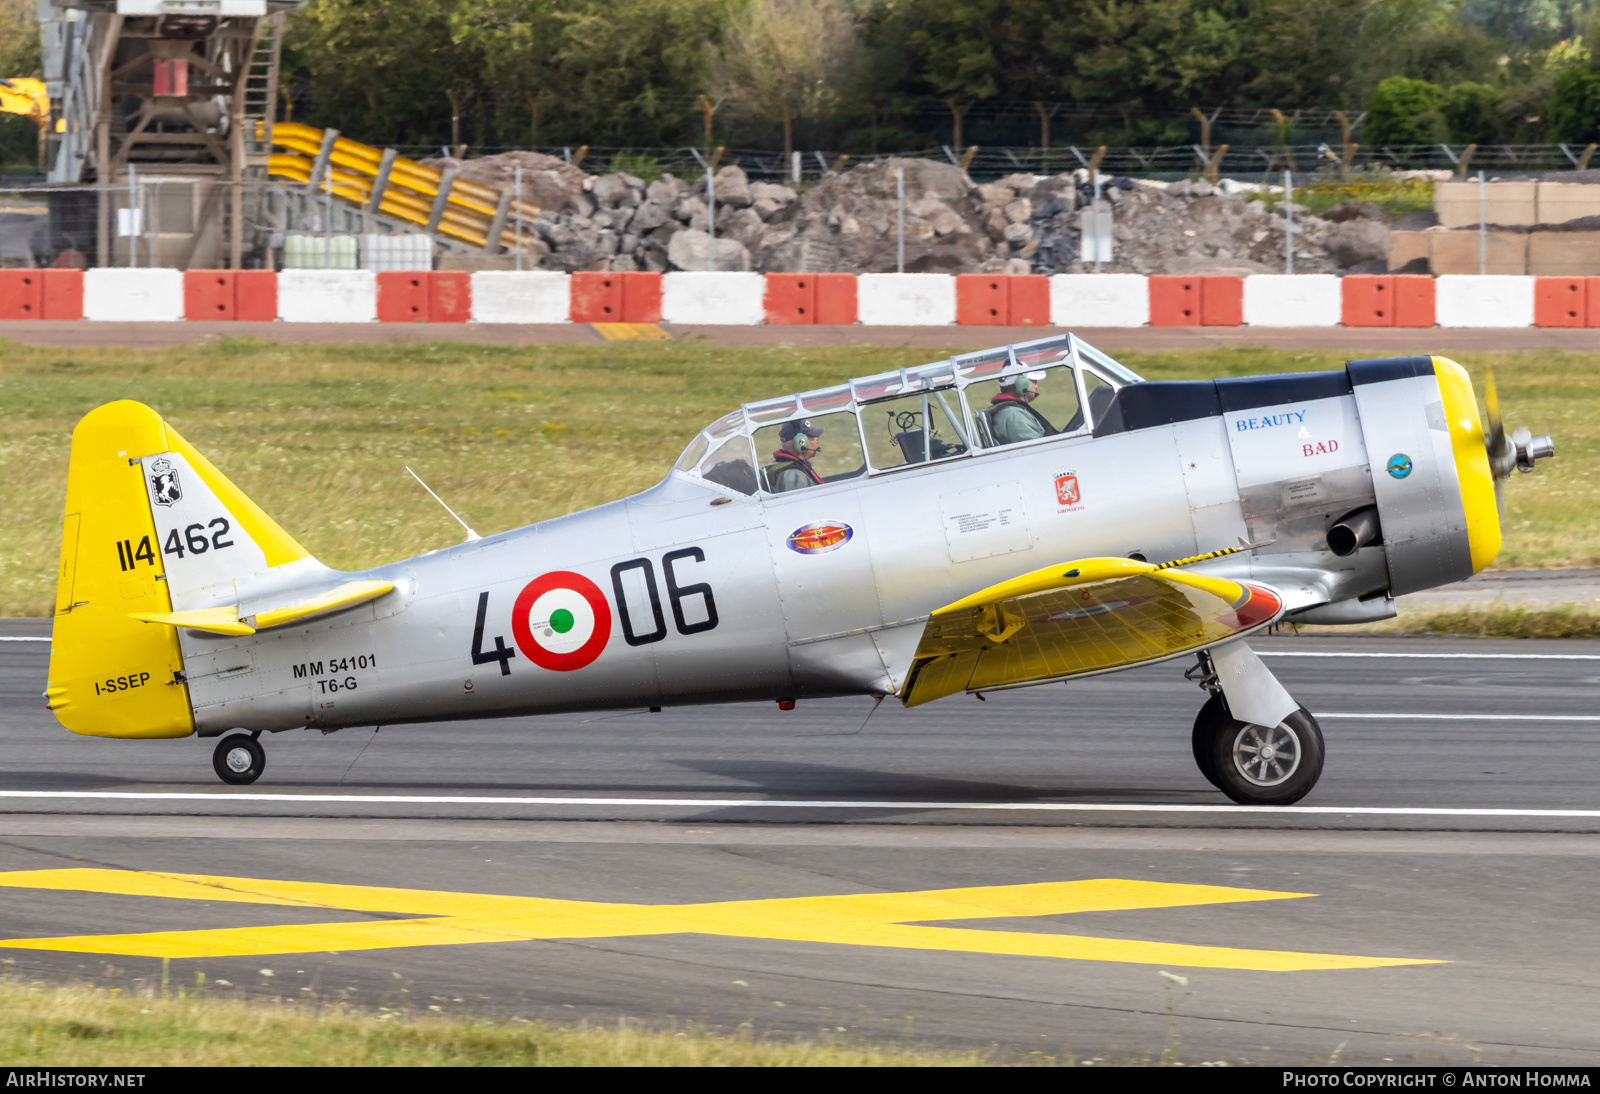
<point x="1200" y="739"/>
<point x="1248" y="762"/>
<point x="239" y="759"/>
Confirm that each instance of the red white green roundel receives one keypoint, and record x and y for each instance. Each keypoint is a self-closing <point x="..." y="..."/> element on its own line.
<point x="561" y="621"/>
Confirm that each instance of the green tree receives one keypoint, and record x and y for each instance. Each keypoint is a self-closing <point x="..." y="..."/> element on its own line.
<point x="388" y="71"/>
<point x="630" y="71"/>
<point x="1574" y="110"/>
<point x="1166" y="53"/>
<point x="779" y="59"/>
<point x="1405" y="111"/>
<point x="957" y="53"/>
<point x="514" y="40"/>
<point x="1471" y="112"/>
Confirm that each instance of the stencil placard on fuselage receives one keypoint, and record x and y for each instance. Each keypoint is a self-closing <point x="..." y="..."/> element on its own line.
<point x="1295" y="441"/>
<point x="985" y="522"/>
<point x="200" y="542"/>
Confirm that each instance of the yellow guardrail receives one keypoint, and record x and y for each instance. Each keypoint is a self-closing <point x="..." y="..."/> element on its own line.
<point x="409" y="195"/>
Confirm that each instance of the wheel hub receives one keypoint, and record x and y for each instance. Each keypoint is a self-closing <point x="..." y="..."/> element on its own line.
<point x="1266" y="757"/>
<point x="239" y="760"/>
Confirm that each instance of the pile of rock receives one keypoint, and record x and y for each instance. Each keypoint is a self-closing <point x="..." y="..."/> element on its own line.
<point x="1194" y="227"/>
<point x="848" y="222"/>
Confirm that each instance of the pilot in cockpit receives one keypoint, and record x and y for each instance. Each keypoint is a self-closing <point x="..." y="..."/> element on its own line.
<point x="1011" y="419"/>
<point x="791" y="467"/>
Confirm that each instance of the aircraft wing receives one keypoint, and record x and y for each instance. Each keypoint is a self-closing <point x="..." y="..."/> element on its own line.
<point x="1093" y="615"/>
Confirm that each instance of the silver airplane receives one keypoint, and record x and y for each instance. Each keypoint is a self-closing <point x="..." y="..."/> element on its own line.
<point x="1018" y="516"/>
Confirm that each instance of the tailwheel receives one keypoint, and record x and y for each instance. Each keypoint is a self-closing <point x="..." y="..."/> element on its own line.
<point x="1258" y="765"/>
<point x="239" y="759"/>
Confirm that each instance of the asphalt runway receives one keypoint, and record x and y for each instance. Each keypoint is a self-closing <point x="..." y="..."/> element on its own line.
<point x="1045" y="871"/>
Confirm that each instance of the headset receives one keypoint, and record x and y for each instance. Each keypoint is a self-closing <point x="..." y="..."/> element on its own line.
<point x="801" y="442"/>
<point x="1022" y="383"/>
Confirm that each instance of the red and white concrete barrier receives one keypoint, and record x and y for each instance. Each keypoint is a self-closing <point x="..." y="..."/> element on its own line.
<point x="1099" y="300"/>
<point x="714" y="299"/>
<point x="535" y="296"/>
<point x="1280" y="300"/>
<point x="1494" y="300"/>
<point x="132" y="295"/>
<point x="906" y="300"/>
<point x="328" y="296"/>
<point x="746" y="299"/>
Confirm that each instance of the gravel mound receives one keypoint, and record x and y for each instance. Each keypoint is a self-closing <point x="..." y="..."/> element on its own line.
<point x="847" y="222"/>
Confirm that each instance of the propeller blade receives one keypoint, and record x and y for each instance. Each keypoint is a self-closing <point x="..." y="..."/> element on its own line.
<point x="1502" y="456"/>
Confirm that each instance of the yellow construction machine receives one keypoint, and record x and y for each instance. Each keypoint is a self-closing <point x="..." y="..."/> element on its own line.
<point x="26" y="96"/>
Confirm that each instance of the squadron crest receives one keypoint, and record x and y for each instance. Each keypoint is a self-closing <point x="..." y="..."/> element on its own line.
<point x="164" y="487"/>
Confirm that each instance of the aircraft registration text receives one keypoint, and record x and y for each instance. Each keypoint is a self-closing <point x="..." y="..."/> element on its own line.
<point x="335" y="665"/>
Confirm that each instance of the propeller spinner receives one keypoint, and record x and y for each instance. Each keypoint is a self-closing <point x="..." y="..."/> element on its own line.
<point x="1519" y="450"/>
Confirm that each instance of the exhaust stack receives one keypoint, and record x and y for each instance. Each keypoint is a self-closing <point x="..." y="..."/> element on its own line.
<point x="1354" y="531"/>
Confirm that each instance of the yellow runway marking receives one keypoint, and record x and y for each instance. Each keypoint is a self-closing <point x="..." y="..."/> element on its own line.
<point x="863" y="919"/>
<point x="631" y="332"/>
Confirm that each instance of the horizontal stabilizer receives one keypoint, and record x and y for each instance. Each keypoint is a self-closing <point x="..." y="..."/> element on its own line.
<point x="210" y="620"/>
<point x="1081" y="617"/>
<point x="347" y="595"/>
<point x="227" y="621"/>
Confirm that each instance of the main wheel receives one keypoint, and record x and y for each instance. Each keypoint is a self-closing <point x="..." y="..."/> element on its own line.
<point x="239" y="759"/>
<point x="1258" y="765"/>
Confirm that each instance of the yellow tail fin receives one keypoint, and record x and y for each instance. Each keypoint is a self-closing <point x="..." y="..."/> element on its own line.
<point x="150" y="525"/>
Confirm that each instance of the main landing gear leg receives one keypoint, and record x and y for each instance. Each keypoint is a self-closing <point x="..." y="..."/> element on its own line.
<point x="1251" y="740"/>
<point x="239" y="759"/>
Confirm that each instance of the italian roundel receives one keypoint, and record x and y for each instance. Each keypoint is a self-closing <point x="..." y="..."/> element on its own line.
<point x="561" y="621"/>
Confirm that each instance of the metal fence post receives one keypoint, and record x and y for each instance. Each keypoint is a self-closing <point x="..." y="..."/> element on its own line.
<point x="711" y="218"/>
<point x="1094" y="179"/>
<point x="1483" y="226"/>
<point x="900" y="220"/>
<point x="327" y="223"/>
<point x="1288" y="222"/>
<point x="518" y="200"/>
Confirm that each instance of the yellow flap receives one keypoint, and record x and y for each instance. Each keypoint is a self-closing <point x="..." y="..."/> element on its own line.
<point x="347" y="595"/>
<point x="1078" y="617"/>
<point x="211" y="620"/>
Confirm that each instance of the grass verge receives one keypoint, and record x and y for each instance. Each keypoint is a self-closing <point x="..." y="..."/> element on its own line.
<point x="1396" y="197"/>
<point x="1561" y="621"/>
<point x="81" y="1026"/>
<point x="319" y="436"/>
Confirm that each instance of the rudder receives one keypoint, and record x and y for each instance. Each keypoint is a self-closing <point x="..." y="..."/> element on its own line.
<point x="150" y="527"/>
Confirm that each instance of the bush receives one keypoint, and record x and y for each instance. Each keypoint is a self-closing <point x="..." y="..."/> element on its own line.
<point x="1574" y="110"/>
<point x="1405" y="111"/>
<point x="1471" y="113"/>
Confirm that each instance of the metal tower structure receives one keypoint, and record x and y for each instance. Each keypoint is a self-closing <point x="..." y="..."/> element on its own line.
<point x="178" y="96"/>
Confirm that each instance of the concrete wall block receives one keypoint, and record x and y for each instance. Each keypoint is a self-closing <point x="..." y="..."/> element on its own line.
<point x="1292" y="300"/>
<point x="1406" y="247"/>
<point x="1471" y="301"/>
<point x="328" y="296"/>
<point x="1099" y="300"/>
<point x="1564" y="254"/>
<point x="906" y="300"/>
<point x="119" y="295"/>
<point x="532" y="296"/>
<point x="714" y="297"/>
<point x="1511" y="204"/>
<point x="1560" y="202"/>
<point x="1459" y="253"/>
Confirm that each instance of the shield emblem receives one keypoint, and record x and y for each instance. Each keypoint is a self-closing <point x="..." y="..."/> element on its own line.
<point x="1067" y="492"/>
<point x="164" y="487"/>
